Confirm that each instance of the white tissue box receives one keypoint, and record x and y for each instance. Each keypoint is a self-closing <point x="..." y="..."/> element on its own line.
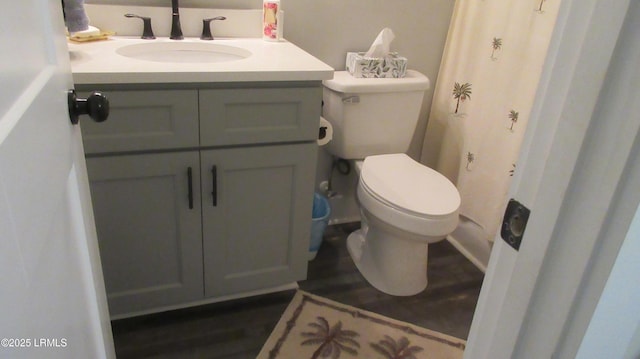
<point x="391" y="65"/>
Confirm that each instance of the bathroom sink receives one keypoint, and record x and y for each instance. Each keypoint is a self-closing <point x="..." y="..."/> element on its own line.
<point x="183" y="52"/>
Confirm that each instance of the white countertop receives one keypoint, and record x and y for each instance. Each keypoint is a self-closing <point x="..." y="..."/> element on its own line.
<point x="98" y="63"/>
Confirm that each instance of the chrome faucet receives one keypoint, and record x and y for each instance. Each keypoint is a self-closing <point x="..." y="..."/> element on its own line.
<point x="176" y="31"/>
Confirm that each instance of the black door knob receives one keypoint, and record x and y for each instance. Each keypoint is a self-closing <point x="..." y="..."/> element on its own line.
<point x="96" y="106"/>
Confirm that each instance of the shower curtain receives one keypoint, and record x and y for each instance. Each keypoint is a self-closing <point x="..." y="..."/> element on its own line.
<point x="486" y="85"/>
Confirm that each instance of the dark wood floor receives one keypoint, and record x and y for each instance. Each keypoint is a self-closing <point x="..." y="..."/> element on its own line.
<point x="237" y="329"/>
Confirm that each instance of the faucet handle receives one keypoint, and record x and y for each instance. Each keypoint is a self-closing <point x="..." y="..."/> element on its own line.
<point x="147" y="31"/>
<point x="206" y="27"/>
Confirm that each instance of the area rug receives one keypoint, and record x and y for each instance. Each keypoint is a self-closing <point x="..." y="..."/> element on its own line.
<point x="315" y="327"/>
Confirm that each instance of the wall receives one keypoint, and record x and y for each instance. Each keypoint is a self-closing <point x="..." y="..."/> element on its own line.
<point x="615" y="326"/>
<point x="328" y="29"/>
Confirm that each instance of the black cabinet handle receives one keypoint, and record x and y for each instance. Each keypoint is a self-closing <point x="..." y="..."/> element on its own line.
<point x="214" y="191"/>
<point x="190" y="184"/>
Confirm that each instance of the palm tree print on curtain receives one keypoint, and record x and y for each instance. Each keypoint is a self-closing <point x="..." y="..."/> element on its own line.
<point x="402" y="349"/>
<point x="461" y="93"/>
<point x="496" y="45"/>
<point x="540" y="7"/>
<point x="470" y="158"/>
<point x="513" y="116"/>
<point x="332" y="340"/>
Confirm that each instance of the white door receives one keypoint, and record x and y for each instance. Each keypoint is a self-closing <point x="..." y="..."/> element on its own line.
<point x="52" y="297"/>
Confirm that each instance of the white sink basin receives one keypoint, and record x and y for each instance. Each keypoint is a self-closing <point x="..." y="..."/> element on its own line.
<point x="183" y="52"/>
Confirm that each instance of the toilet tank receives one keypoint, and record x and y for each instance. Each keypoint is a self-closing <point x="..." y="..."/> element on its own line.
<point x="372" y="116"/>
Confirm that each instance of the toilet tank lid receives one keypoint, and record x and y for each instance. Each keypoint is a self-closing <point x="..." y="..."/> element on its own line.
<point x="343" y="82"/>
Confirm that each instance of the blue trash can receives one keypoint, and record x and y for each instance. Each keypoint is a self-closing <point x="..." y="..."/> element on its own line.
<point x="319" y="220"/>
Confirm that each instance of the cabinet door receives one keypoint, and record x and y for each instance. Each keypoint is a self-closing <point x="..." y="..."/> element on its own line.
<point x="150" y="239"/>
<point x="256" y="231"/>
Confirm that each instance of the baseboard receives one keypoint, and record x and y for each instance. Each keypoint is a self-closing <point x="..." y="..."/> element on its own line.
<point x="280" y="288"/>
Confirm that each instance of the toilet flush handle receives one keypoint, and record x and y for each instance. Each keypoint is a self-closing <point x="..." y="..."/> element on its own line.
<point x="351" y="99"/>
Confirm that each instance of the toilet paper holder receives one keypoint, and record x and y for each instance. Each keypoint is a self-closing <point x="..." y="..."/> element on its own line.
<point x="325" y="132"/>
<point x="322" y="132"/>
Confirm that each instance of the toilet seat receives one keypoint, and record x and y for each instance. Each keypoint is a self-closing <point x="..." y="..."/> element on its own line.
<point x="399" y="181"/>
<point x="408" y="194"/>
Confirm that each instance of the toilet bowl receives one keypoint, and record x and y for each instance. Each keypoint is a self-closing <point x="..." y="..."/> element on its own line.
<point x="404" y="207"/>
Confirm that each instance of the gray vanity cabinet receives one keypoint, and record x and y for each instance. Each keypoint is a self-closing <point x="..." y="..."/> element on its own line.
<point x="240" y="222"/>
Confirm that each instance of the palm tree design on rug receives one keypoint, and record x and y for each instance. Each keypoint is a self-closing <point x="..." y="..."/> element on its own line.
<point x="513" y="116"/>
<point x="333" y="340"/>
<point x="461" y="93"/>
<point x="496" y="44"/>
<point x="401" y="349"/>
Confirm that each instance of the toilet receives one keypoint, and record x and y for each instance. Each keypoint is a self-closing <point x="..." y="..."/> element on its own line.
<point x="404" y="205"/>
